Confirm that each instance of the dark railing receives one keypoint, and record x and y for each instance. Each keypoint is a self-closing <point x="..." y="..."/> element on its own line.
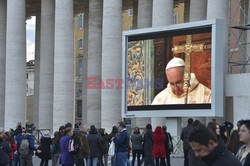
<point x="38" y="133"/>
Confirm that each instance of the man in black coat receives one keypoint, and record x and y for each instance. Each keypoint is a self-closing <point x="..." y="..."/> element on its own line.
<point x="148" y="145"/>
<point x="184" y="137"/>
<point x="167" y="143"/>
<point x="206" y="146"/>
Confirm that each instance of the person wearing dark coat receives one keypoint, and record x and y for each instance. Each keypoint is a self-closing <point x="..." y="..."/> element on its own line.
<point x="94" y="139"/>
<point x="159" y="152"/>
<point x="45" y="143"/>
<point x="166" y="143"/>
<point x="121" y="145"/>
<point x="5" y="150"/>
<point x="148" y="145"/>
<point x="234" y="144"/>
<point x="83" y="153"/>
<point x="104" y="147"/>
<point x="55" y="148"/>
<point x="184" y="137"/>
<point x="192" y="159"/>
<point x="137" y="147"/>
<point x="212" y="152"/>
<point x="243" y="154"/>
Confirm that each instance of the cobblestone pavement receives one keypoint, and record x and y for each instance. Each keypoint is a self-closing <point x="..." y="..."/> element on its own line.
<point x="175" y="161"/>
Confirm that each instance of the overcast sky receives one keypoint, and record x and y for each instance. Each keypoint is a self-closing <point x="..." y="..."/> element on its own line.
<point x="30" y="38"/>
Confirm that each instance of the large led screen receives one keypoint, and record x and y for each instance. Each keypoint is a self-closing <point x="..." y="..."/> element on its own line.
<point x="173" y="71"/>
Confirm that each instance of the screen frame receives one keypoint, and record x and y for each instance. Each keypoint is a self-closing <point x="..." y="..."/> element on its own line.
<point x="217" y="71"/>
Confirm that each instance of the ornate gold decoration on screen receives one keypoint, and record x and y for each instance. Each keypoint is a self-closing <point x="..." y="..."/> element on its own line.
<point x="188" y="48"/>
<point x="135" y="74"/>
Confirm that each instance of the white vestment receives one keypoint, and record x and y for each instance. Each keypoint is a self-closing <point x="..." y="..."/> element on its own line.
<point x="198" y="94"/>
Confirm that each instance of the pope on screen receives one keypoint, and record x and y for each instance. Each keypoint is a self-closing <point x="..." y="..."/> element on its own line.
<point x="174" y="93"/>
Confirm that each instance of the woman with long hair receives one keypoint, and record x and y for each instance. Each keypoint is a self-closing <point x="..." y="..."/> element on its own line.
<point x="215" y="127"/>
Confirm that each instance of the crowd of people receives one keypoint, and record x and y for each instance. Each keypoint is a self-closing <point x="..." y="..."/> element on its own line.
<point x="80" y="146"/>
<point x="216" y="145"/>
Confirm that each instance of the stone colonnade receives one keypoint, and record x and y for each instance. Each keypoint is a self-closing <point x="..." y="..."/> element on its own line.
<point x="54" y="84"/>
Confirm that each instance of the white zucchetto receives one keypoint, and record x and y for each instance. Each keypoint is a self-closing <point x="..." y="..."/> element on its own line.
<point x="175" y="62"/>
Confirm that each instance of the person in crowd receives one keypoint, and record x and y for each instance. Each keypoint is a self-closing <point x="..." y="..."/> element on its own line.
<point x="159" y="148"/>
<point x="112" y="135"/>
<point x="206" y="146"/>
<point x="184" y="137"/>
<point x="192" y="159"/>
<point x="216" y="129"/>
<point x="234" y="143"/>
<point x="225" y="131"/>
<point x="17" y="131"/>
<point x="66" y="157"/>
<point x="104" y="147"/>
<point x="45" y="143"/>
<point x="174" y="93"/>
<point x="121" y="143"/>
<point x="167" y="142"/>
<point x="148" y="145"/>
<point x="12" y="144"/>
<point x="25" y="147"/>
<point x="5" y="150"/>
<point x="137" y="147"/>
<point x="159" y="152"/>
<point x="55" y="150"/>
<point x="94" y="139"/>
<point x="243" y="153"/>
<point x="83" y="152"/>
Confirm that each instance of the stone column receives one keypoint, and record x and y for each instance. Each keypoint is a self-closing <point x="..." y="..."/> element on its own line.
<point x="45" y="113"/>
<point x="162" y="15"/>
<point x="135" y="14"/>
<point x="162" y="12"/>
<point x="37" y="70"/>
<point x="219" y="10"/>
<point x="85" y="64"/>
<point x="94" y="62"/>
<point x="144" y="13"/>
<point x="15" y="80"/>
<point x="63" y="92"/>
<point x="144" y="21"/>
<point x="248" y="39"/>
<point x="3" y="15"/>
<point x="186" y="10"/>
<point x="112" y="62"/>
<point x="198" y="10"/>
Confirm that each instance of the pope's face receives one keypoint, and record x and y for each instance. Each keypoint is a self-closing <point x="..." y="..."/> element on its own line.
<point x="175" y="79"/>
<point x="244" y="134"/>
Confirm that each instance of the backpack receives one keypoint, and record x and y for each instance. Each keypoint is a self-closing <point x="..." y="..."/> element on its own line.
<point x="74" y="144"/>
<point x="24" y="146"/>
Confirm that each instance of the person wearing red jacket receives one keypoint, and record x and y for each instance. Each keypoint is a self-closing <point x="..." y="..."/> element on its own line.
<point x="12" y="145"/>
<point x="159" y="152"/>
